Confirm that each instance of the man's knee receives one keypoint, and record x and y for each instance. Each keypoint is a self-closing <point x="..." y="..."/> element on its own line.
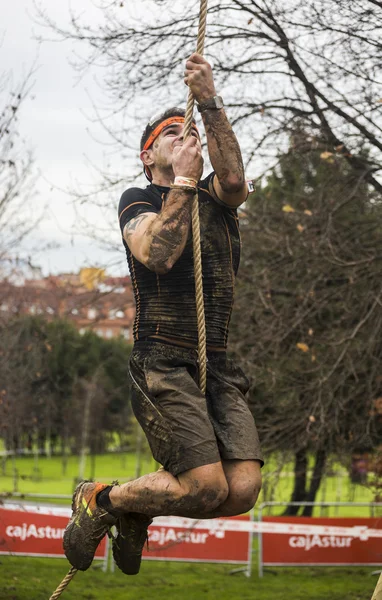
<point x="244" y="489"/>
<point x="206" y="488"/>
<point x="210" y="496"/>
<point x="245" y="495"/>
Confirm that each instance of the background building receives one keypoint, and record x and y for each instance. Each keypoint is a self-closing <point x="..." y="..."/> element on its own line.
<point x="89" y="299"/>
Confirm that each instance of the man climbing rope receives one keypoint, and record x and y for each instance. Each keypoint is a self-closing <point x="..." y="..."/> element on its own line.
<point x="208" y="445"/>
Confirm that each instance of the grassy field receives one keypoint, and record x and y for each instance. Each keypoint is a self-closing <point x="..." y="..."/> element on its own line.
<point x="50" y="477"/>
<point x="46" y="477"/>
<point x="36" y="579"/>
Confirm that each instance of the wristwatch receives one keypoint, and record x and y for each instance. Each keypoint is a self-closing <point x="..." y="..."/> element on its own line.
<point x="214" y="103"/>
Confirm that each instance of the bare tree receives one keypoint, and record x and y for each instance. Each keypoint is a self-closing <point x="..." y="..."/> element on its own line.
<point x="18" y="216"/>
<point x="276" y="62"/>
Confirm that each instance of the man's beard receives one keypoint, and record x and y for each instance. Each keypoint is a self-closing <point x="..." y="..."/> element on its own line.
<point x="165" y="169"/>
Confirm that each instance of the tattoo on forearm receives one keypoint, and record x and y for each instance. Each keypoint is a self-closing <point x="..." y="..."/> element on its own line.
<point x="170" y="233"/>
<point x="223" y="147"/>
<point x="132" y="225"/>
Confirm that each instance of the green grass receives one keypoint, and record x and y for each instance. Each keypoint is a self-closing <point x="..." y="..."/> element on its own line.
<point x="50" y="477"/>
<point x="36" y="579"/>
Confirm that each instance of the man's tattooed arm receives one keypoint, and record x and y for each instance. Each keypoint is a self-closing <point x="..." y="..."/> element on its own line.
<point x="225" y="155"/>
<point x="132" y="226"/>
<point x="158" y="240"/>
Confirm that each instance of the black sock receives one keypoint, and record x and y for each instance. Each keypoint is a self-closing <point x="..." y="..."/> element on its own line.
<point x="103" y="500"/>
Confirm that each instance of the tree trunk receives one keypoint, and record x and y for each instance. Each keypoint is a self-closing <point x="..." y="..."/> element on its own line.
<point x="14" y="468"/>
<point x="299" y="490"/>
<point x="92" y="464"/>
<point x="36" y="470"/>
<point x="89" y="396"/>
<point x="64" y="446"/>
<point x="318" y="471"/>
<point x="4" y="464"/>
<point x="138" y="452"/>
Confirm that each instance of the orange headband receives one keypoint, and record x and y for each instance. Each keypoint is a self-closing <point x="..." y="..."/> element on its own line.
<point x="158" y="130"/>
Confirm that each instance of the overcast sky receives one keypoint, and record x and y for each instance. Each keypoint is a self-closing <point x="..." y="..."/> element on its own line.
<point x="54" y="123"/>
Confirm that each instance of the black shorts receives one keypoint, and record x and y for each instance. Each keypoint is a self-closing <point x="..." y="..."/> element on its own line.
<point x="186" y="430"/>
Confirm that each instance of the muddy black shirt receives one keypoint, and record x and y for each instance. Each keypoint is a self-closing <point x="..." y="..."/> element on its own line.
<point x="165" y="304"/>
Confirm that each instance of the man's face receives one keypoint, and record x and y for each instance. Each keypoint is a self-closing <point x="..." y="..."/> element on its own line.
<point x="163" y="147"/>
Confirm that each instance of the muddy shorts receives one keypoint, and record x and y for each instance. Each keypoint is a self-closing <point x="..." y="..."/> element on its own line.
<point x="186" y="430"/>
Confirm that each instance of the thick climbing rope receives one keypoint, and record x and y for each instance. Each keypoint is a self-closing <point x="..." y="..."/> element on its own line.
<point x="64" y="584"/>
<point x="202" y="352"/>
<point x="378" y="590"/>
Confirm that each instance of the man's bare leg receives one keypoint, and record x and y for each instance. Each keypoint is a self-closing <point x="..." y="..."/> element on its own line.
<point x="210" y="491"/>
<point x="193" y="492"/>
<point x="204" y="492"/>
<point x="244" y="485"/>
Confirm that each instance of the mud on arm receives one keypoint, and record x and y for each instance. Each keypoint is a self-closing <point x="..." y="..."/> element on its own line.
<point x="225" y="155"/>
<point x="158" y="240"/>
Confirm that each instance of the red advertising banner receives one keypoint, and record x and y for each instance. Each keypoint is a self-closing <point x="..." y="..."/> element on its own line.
<point x="31" y="530"/>
<point x="35" y="531"/>
<point x="173" y="542"/>
<point x="321" y="549"/>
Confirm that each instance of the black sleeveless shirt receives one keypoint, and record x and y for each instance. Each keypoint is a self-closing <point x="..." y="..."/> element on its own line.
<point x="165" y="304"/>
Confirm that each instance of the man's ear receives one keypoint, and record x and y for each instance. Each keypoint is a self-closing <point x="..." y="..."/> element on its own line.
<point x="146" y="157"/>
